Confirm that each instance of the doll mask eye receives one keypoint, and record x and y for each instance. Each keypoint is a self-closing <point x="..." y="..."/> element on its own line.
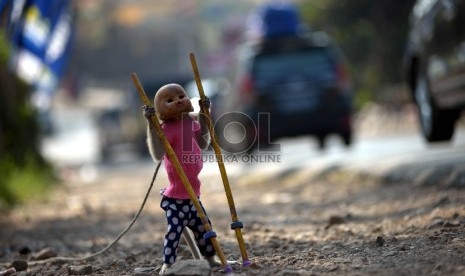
<point x="180" y="97"/>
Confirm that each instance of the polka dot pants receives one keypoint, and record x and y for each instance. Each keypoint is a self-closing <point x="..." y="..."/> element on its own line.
<point x="179" y="214"/>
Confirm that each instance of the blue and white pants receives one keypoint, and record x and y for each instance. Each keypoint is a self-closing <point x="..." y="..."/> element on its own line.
<point x="179" y="214"/>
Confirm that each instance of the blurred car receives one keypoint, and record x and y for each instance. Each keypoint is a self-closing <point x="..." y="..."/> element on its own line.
<point x="291" y="86"/>
<point x="214" y="88"/>
<point x="121" y="125"/>
<point x="119" y="130"/>
<point x="434" y="65"/>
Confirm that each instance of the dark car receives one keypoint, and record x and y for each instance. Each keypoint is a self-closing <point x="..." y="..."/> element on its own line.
<point x="434" y="65"/>
<point x="291" y="86"/>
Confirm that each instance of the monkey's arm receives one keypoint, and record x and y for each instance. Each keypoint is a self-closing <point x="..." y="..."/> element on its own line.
<point x="154" y="142"/>
<point x="204" y="139"/>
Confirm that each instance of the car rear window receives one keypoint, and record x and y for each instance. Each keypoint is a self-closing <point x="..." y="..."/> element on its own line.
<point x="308" y="63"/>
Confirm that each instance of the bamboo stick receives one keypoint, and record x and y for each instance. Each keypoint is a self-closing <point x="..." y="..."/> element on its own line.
<point x="236" y="225"/>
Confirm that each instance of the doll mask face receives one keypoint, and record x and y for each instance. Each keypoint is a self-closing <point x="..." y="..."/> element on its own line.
<point x="171" y="101"/>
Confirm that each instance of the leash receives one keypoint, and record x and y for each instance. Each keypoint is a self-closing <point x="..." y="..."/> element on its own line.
<point x="105" y="249"/>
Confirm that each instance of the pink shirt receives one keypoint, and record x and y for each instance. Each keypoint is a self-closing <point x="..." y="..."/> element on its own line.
<point x="182" y="135"/>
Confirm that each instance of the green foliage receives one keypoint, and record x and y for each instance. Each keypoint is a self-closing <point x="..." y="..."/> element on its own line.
<point x="4" y="49"/>
<point x="21" y="184"/>
<point x="371" y="34"/>
<point x="24" y="175"/>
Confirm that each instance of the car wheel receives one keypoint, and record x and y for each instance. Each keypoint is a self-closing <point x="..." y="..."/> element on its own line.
<point x="321" y="139"/>
<point x="105" y="154"/>
<point x="347" y="138"/>
<point x="436" y="124"/>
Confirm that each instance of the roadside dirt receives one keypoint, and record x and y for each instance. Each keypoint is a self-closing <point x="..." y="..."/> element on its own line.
<point x="298" y="222"/>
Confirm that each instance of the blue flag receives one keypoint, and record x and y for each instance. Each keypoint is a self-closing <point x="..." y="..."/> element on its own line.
<point x="41" y="34"/>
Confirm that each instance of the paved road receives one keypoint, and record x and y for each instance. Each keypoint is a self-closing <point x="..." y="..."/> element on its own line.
<point x="76" y="145"/>
<point x="381" y="156"/>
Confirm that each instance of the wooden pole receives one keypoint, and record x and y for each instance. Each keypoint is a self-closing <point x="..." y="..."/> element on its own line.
<point x="236" y="225"/>
<point x="169" y="150"/>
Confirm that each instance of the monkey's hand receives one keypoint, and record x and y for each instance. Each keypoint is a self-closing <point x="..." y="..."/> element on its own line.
<point x="205" y="103"/>
<point x="148" y="111"/>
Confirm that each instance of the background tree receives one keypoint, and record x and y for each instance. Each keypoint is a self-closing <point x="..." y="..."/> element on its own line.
<point x="372" y="35"/>
<point x="23" y="171"/>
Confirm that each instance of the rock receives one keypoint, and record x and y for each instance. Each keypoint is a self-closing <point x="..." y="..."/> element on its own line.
<point x="360" y="261"/>
<point x="144" y="271"/>
<point x="454" y="223"/>
<point x="80" y="269"/>
<point x="289" y="272"/>
<point x="456" y="240"/>
<point x="8" y="272"/>
<point x="45" y="253"/>
<point x="19" y="265"/>
<point x="389" y="254"/>
<point x="379" y="241"/>
<point x="334" y="220"/>
<point x="189" y="268"/>
<point x="438" y="222"/>
<point x="24" y="250"/>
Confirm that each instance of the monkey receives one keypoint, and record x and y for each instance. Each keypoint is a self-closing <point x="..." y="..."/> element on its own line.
<point x="187" y="136"/>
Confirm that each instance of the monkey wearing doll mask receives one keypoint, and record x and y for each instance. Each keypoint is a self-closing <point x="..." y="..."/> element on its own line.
<point x="187" y="137"/>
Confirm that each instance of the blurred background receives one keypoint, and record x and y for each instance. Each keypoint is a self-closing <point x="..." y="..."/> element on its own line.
<point x="68" y="105"/>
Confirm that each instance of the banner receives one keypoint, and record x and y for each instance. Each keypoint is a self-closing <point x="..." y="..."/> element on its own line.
<point x="41" y="33"/>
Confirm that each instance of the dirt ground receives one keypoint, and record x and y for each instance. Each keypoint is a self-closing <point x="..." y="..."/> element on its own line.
<point x="300" y="222"/>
